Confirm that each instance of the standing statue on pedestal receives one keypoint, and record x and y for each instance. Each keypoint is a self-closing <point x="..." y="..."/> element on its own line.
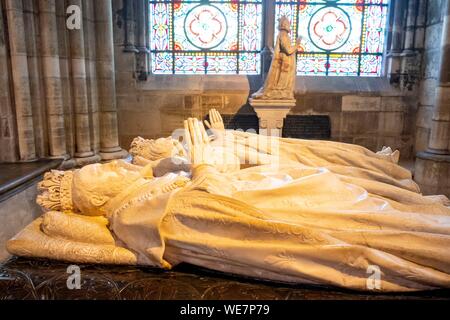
<point x="280" y="81"/>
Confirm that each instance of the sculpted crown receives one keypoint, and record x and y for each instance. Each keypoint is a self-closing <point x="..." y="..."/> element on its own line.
<point x="56" y="191"/>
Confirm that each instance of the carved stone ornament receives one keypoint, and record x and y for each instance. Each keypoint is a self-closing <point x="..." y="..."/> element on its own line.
<point x="56" y="191"/>
<point x="280" y="81"/>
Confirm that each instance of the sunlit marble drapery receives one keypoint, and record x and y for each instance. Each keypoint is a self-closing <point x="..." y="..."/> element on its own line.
<point x="303" y="211"/>
<point x="292" y="223"/>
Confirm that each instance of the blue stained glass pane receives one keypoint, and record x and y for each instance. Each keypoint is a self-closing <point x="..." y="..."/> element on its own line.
<point x="343" y="65"/>
<point x="288" y="10"/>
<point x="190" y="63"/>
<point x="250" y="30"/>
<point x="161" y="63"/>
<point x="212" y="37"/>
<point x="339" y="38"/>
<point x="312" y="64"/>
<point x="250" y="63"/>
<point x="371" y="65"/>
<point x="375" y="29"/>
<point x="221" y="64"/>
<point x="160" y="27"/>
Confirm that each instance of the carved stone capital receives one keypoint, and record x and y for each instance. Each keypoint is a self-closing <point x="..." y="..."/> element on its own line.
<point x="271" y="114"/>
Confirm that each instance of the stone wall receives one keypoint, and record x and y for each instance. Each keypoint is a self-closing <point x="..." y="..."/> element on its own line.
<point x="370" y="120"/>
<point x="373" y="120"/>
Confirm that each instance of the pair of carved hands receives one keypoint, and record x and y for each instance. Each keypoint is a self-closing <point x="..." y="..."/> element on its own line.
<point x="197" y="139"/>
<point x="197" y="142"/>
<point x="215" y="121"/>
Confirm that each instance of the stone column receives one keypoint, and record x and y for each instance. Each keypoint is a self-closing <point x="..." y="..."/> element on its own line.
<point x="439" y="135"/>
<point x="142" y="27"/>
<point x="65" y="76"/>
<point x="8" y="138"/>
<point x="20" y="79"/>
<point x="52" y="79"/>
<point x="91" y="72"/>
<point x="419" y="38"/>
<point x="30" y="14"/>
<point x="410" y="58"/>
<point x="83" y="151"/>
<point x="410" y="29"/>
<point x="109" y="140"/>
<point x="428" y="82"/>
<point x="433" y="166"/>
<point x="130" y="26"/>
<point x="142" y="7"/>
<point x="398" y="26"/>
<point x="397" y="36"/>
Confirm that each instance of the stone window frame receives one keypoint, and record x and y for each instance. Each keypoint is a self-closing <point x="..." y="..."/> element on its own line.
<point x="402" y="24"/>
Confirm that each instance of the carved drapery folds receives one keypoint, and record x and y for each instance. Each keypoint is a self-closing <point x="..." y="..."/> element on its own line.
<point x="61" y="102"/>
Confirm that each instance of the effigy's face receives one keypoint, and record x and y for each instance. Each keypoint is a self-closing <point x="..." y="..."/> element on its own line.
<point x="169" y="147"/>
<point x="153" y="150"/>
<point x="95" y="184"/>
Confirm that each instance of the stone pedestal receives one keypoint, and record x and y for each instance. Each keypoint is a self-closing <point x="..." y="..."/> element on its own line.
<point x="432" y="172"/>
<point x="271" y="114"/>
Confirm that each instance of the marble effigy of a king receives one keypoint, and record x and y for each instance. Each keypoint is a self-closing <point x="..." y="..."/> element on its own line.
<point x="288" y="222"/>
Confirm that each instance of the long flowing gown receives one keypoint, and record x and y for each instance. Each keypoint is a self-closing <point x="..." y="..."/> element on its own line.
<point x="290" y="223"/>
<point x="352" y="162"/>
<point x="293" y="223"/>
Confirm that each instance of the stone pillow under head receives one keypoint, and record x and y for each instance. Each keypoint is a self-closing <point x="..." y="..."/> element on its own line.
<point x="33" y="243"/>
<point x="77" y="228"/>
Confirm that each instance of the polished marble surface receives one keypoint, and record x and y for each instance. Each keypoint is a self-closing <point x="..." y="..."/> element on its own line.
<point x="13" y="175"/>
<point x="41" y="279"/>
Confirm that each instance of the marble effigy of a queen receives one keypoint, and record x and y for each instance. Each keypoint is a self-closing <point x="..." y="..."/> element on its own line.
<point x="323" y="215"/>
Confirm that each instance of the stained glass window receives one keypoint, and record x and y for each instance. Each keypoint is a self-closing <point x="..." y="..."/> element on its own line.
<point x="339" y="37"/>
<point x="205" y="37"/>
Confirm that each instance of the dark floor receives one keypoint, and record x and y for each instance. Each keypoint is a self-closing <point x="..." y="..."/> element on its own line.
<point x="41" y="279"/>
